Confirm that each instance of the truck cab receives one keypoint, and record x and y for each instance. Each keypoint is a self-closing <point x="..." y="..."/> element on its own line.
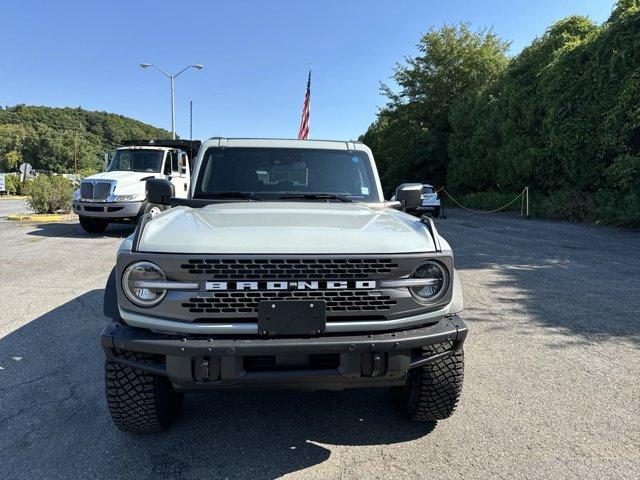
<point x="118" y="194"/>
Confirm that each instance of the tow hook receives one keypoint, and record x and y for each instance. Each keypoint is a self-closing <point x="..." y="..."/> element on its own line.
<point x="374" y="364"/>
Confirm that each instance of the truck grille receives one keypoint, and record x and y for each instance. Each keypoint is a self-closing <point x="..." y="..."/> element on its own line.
<point x="291" y="268"/>
<point x="247" y="302"/>
<point x="94" y="190"/>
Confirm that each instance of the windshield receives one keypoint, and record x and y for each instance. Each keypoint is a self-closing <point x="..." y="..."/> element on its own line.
<point x="271" y="173"/>
<point x="427" y="189"/>
<point x="137" y="160"/>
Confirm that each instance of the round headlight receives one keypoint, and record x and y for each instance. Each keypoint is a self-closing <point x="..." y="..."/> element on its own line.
<point x="133" y="283"/>
<point x="436" y="281"/>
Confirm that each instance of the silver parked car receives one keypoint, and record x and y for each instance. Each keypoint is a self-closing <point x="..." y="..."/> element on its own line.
<point x="430" y="201"/>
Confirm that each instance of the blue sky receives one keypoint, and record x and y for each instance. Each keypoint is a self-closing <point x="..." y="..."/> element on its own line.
<point x="256" y="56"/>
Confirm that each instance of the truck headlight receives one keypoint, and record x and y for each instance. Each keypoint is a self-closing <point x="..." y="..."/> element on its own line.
<point x="133" y="281"/>
<point x="76" y="195"/>
<point x="128" y="198"/>
<point x="437" y="281"/>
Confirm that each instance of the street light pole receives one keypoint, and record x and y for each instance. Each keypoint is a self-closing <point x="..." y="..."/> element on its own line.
<point x="172" y="78"/>
<point x="173" y="109"/>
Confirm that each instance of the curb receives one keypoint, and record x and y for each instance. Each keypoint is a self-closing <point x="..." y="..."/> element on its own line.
<point x="14" y="197"/>
<point x="35" y="218"/>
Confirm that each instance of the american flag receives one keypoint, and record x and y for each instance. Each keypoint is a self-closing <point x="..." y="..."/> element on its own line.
<point x="303" y="133"/>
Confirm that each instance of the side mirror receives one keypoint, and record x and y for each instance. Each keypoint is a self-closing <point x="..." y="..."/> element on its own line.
<point x="160" y="191"/>
<point x="167" y="166"/>
<point x="183" y="164"/>
<point x="410" y="195"/>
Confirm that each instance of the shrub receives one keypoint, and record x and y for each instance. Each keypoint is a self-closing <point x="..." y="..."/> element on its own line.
<point x="571" y="205"/>
<point x="12" y="184"/>
<point x="618" y="209"/>
<point x="50" y="194"/>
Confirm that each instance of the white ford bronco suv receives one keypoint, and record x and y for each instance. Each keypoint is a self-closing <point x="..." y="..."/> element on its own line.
<point x="118" y="195"/>
<point x="283" y="268"/>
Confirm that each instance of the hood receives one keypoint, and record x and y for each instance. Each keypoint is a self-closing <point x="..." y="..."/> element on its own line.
<point x="285" y="228"/>
<point x="126" y="182"/>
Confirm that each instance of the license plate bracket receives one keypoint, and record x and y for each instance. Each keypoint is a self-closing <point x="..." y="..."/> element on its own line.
<point x="292" y="317"/>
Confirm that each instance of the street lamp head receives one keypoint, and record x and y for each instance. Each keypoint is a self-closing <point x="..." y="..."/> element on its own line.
<point x="198" y="66"/>
<point x="145" y="65"/>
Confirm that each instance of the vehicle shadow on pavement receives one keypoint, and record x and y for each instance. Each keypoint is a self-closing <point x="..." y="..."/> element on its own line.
<point x="74" y="230"/>
<point x="581" y="280"/>
<point x="54" y="421"/>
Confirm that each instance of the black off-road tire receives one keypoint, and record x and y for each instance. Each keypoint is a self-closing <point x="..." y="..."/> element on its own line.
<point x="140" y="402"/>
<point x="436" y="212"/>
<point x="431" y="392"/>
<point x="93" y="225"/>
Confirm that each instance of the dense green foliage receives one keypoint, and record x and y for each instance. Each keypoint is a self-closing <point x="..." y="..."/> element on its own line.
<point x="50" y="194"/>
<point x="563" y="117"/>
<point x="411" y="135"/>
<point x="50" y="138"/>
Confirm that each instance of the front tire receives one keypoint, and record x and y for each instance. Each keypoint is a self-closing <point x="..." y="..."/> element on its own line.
<point x="93" y="225"/>
<point x="140" y="402"/>
<point x="431" y="392"/>
<point x="436" y="212"/>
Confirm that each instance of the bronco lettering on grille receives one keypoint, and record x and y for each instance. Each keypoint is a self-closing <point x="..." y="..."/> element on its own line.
<point x="292" y="285"/>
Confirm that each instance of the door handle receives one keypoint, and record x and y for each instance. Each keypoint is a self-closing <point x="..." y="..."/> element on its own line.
<point x="185" y="187"/>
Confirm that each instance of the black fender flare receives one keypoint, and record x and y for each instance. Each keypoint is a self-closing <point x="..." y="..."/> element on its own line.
<point x="110" y="301"/>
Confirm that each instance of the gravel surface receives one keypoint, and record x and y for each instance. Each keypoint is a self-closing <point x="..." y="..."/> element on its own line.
<point x="552" y="385"/>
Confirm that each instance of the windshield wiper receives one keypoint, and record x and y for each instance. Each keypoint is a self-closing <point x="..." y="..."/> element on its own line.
<point x="315" y="196"/>
<point x="242" y="195"/>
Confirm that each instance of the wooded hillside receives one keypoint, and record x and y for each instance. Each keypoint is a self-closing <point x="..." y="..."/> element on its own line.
<point x="50" y="138"/>
<point x="563" y="117"/>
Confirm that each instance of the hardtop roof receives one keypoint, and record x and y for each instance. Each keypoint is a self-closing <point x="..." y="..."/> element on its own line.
<point x="284" y="143"/>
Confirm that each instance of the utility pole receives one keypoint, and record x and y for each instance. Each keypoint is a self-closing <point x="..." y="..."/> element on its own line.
<point x="75" y="154"/>
<point x="190" y="119"/>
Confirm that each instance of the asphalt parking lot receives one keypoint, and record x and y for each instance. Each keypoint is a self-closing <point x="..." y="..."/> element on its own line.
<point x="10" y="207"/>
<point x="552" y="381"/>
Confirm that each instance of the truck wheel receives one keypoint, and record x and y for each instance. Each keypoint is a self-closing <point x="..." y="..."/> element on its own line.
<point x="431" y="392"/>
<point x="436" y="212"/>
<point x="140" y="402"/>
<point x="154" y="209"/>
<point x="93" y="225"/>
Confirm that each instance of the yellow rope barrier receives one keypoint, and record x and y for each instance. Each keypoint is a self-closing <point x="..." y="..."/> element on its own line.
<point x="520" y="195"/>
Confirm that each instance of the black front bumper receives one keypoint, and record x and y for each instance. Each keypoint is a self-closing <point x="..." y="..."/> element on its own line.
<point x="327" y="362"/>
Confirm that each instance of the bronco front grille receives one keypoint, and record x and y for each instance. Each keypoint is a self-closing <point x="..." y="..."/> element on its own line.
<point x="94" y="191"/>
<point x="291" y="268"/>
<point x="247" y="302"/>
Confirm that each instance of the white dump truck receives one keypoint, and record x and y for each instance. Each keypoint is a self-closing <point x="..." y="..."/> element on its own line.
<point x="118" y="194"/>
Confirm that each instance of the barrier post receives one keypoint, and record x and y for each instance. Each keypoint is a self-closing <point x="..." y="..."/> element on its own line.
<point x="442" y="214"/>
<point x="528" y="216"/>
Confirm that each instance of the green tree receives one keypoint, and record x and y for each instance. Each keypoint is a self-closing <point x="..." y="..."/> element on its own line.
<point x="414" y="126"/>
<point x="562" y="116"/>
<point x="56" y="139"/>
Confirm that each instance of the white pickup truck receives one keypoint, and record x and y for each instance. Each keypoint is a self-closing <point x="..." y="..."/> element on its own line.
<point x="118" y="195"/>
